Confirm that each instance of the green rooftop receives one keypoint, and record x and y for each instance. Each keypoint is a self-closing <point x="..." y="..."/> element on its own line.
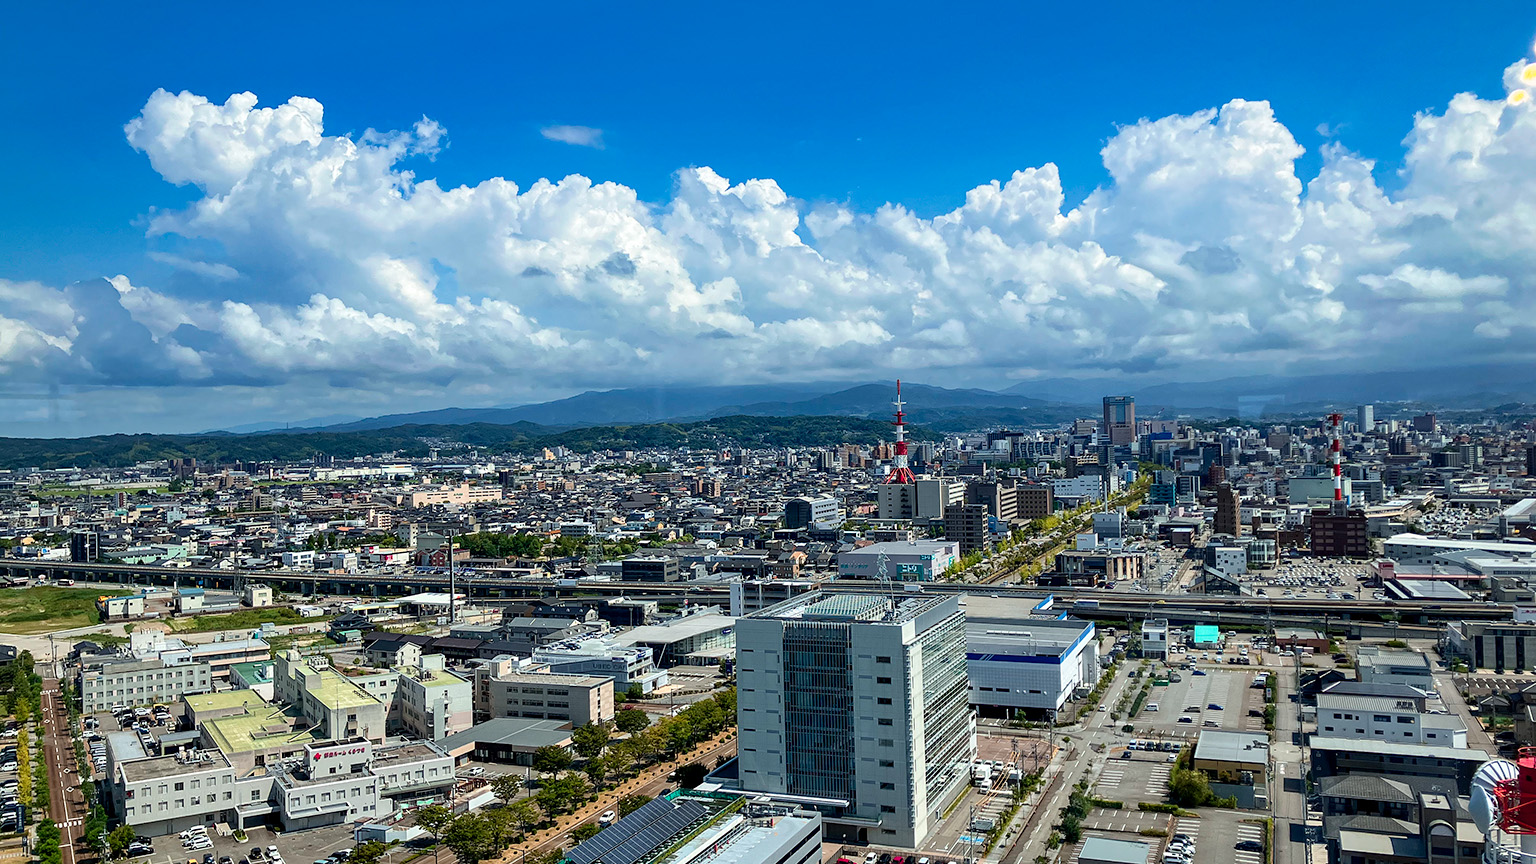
<point x="336" y="691"/>
<point x="259" y="729"/>
<point x="432" y="677"/>
<point x="226" y="699"/>
<point x="254" y="672"/>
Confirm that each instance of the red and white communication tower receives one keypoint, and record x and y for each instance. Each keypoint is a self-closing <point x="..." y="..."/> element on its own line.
<point x="900" y="473"/>
<point x="1503" y="802"/>
<point x="1336" y="451"/>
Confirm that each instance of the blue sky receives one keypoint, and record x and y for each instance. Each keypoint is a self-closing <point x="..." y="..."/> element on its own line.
<point x="845" y="110"/>
<point x="866" y="103"/>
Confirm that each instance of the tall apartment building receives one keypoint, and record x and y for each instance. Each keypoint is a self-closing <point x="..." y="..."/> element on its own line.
<point x="1119" y="419"/>
<point x="805" y="512"/>
<point x="1034" y="502"/>
<point x="857" y="705"/>
<point x="1229" y="511"/>
<point x="1424" y="423"/>
<point x="967" y="525"/>
<point x="1000" y="499"/>
<point x="434" y="703"/>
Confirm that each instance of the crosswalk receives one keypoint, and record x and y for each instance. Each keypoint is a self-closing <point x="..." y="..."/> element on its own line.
<point x="71" y="823"/>
<point x="1157" y="781"/>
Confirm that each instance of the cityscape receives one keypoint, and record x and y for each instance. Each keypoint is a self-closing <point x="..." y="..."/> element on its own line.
<point x="1075" y="436"/>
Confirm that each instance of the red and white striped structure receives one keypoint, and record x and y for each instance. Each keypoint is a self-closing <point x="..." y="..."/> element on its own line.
<point x="1336" y="451"/>
<point x="900" y="473"/>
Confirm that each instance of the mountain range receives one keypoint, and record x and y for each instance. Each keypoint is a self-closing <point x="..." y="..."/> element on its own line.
<point x="1042" y="402"/>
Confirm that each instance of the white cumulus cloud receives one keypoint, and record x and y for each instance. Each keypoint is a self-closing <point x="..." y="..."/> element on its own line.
<point x="1205" y="252"/>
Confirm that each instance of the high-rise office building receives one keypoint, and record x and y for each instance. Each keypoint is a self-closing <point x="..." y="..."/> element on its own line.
<point x="1365" y="418"/>
<point x="1425" y="423"/>
<point x="1119" y="419"/>
<point x="857" y="705"/>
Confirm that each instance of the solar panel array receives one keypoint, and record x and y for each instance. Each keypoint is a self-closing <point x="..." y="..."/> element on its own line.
<point x="633" y="838"/>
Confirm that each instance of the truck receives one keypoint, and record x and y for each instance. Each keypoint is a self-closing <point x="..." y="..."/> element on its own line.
<point x="981" y="774"/>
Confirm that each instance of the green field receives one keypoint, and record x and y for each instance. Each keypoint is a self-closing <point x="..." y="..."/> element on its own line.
<point x="245" y="619"/>
<point x="45" y="609"/>
<point x="90" y="491"/>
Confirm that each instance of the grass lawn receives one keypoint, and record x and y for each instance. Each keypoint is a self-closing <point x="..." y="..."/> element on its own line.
<point x="93" y="491"/>
<point x="245" y="619"/>
<point x="47" y="608"/>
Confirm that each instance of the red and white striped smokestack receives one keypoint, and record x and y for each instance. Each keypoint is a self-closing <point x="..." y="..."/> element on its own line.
<point x="1336" y="451"/>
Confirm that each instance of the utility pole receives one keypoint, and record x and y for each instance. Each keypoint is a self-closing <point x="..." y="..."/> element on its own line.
<point x="453" y="604"/>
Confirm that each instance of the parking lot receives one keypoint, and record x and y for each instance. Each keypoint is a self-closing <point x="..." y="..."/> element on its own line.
<point x="301" y="847"/>
<point x="1193" y="697"/>
<point x="1216" y="834"/>
<point x="1313" y="578"/>
<point x="1141" y="777"/>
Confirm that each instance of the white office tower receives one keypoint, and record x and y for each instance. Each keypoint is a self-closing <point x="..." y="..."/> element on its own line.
<point x="857" y="705"/>
<point x="1365" y="418"/>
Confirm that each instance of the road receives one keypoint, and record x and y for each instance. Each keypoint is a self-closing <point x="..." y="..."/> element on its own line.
<point x="1477" y="737"/>
<point x="1066" y="771"/>
<point x="1288" y="800"/>
<point x="65" y="805"/>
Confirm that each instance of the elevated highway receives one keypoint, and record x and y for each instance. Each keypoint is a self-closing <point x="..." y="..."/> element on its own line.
<point x="493" y="585"/>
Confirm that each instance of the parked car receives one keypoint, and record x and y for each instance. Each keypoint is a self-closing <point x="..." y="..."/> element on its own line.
<point x="1249" y="846"/>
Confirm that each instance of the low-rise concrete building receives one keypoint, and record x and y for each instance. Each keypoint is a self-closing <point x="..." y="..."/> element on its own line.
<point x="577" y="699"/>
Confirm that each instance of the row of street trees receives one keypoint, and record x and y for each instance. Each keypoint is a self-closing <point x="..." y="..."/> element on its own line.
<point x="568" y="780"/>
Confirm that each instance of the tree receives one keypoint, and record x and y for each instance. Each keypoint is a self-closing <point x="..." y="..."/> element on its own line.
<point x="118" y="840"/>
<point x="561" y="794"/>
<point x="596" y="770"/>
<point x="586" y="831"/>
<point x="590" y="739"/>
<point x="631" y="720"/>
<point x="1071" y="828"/>
<point x="434" y="819"/>
<point x="176" y="486"/>
<point x="523" y="813"/>
<point x="507" y="786"/>
<point x="472" y="838"/>
<point x="367" y="852"/>
<point x="630" y="803"/>
<point x="691" y="775"/>
<point x="634" y="694"/>
<point x="551" y="759"/>
<point x="1189" y="788"/>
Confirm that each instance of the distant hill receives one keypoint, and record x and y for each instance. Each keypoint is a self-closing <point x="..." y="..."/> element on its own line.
<point x="412" y="440"/>
<point x="689" y="404"/>
<point x="1476" y="386"/>
<point x="601" y="407"/>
